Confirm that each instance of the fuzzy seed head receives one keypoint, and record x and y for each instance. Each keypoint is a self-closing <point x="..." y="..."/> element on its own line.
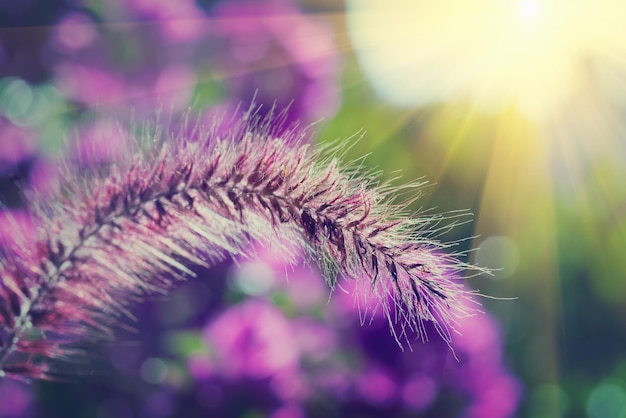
<point x="110" y="236"/>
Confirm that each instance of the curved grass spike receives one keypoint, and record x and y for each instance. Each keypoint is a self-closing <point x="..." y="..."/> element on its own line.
<point x="114" y="235"/>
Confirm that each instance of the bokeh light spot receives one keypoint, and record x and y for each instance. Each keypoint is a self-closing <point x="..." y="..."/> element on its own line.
<point x="16" y="97"/>
<point x="253" y="278"/>
<point x="419" y="392"/>
<point x="376" y="386"/>
<point x="75" y="31"/>
<point x="153" y="370"/>
<point x="46" y="100"/>
<point x="608" y="400"/>
<point x="543" y="397"/>
<point x="499" y="253"/>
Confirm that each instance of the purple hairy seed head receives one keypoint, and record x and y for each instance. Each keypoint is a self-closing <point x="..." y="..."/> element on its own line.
<point x="111" y="236"/>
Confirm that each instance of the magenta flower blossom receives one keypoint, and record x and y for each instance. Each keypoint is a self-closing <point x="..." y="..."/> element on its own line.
<point x="111" y="236"/>
<point x="253" y="339"/>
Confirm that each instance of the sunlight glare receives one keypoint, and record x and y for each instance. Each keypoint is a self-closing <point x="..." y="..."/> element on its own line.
<point x="494" y="53"/>
<point x="529" y="9"/>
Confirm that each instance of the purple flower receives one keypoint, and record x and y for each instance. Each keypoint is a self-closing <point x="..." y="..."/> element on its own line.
<point x="252" y="339"/>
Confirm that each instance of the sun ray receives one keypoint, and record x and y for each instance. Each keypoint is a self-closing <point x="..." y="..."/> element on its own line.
<point x="517" y="202"/>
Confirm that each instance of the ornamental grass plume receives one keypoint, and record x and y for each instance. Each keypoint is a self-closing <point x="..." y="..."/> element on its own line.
<point x="111" y="235"/>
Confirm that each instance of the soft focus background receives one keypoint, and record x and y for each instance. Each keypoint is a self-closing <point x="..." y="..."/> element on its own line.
<point x="513" y="109"/>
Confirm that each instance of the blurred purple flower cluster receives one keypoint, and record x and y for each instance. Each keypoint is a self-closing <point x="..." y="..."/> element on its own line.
<point x="270" y="52"/>
<point x="315" y="356"/>
<point x="133" y="54"/>
<point x="87" y="61"/>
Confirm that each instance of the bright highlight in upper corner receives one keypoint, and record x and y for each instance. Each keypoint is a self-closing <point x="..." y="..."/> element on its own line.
<point x="529" y="9"/>
<point x="534" y="55"/>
